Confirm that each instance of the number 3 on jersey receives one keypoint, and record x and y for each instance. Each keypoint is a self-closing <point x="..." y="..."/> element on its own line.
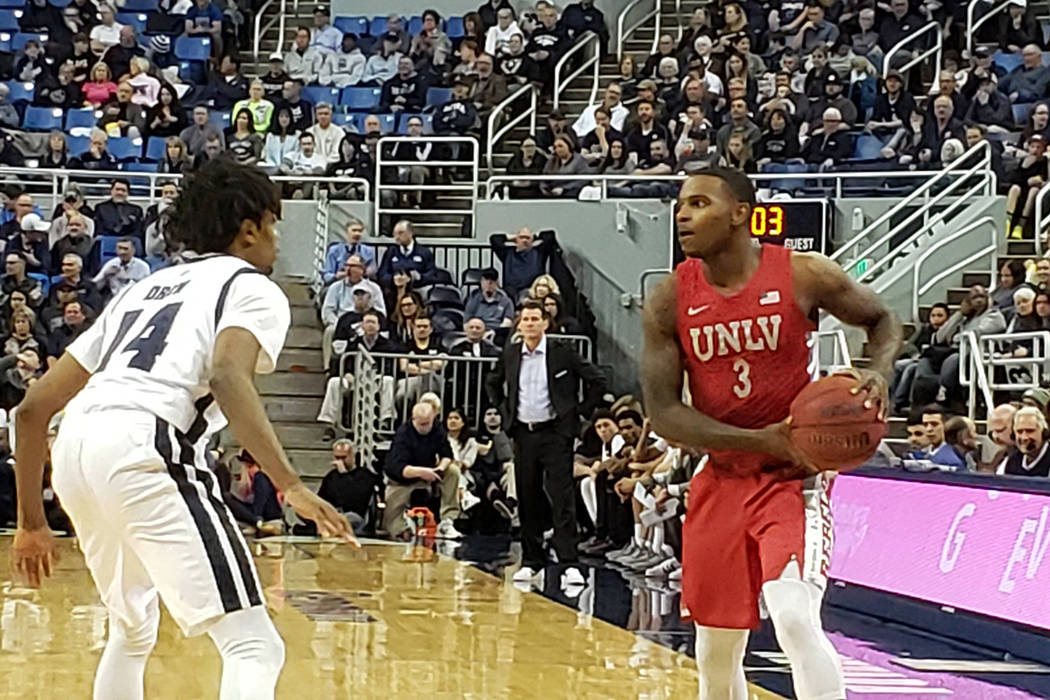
<point x="742" y="388"/>
<point x="149" y="343"/>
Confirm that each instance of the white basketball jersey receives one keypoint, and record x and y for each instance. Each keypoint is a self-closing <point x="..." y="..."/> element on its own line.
<point x="151" y="349"/>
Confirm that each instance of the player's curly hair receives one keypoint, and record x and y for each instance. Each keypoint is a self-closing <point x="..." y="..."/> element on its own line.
<point x="207" y="215"/>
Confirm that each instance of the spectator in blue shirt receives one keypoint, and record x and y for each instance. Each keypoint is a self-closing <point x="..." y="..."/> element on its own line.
<point x="490" y="303"/>
<point x="960" y="445"/>
<point x="260" y="498"/>
<point x="324" y="37"/>
<point x="407" y="256"/>
<point x="524" y="262"/>
<point x="335" y="260"/>
<point x="205" y="19"/>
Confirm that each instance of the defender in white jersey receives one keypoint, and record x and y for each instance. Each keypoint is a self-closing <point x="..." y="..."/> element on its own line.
<point x="143" y="389"/>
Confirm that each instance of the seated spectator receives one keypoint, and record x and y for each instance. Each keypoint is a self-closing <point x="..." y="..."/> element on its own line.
<point x="1026" y="178"/>
<point x="467" y="67"/>
<point x="560" y="323"/>
<point x="586" y="122"/>
<point x="595" y="145"/>
<point x="498" y="36"/>
<point x="1041" y="275"/>
<point x="420" y="375"/>
<point x="260" y="107"/>
<point x="833" y="98"/>
<point x="339" y="299"/>
<point x="53" y="314"/>
<point x="227" y="86"/>
<point x="57" y="154"/>
<point x="345" y="67"/>
<point x="303" y="62"/>
<point x="490" y="303"/>
<point x="9" y="116"/>
<point x="1042" y="309"/>
<point x="420" y="459"/>
<point x="906" y="145"/>
<point x="736" y="73"/>
<point x="81" y="57"/>
<point x="1028" y="456"/>
<point x="659" y="162"/>
<point x="819" y="70"/>
<point x="490" y="88"/>
<point x="407" y="304"/>
<point x="830" y="144"/>
<point x="640" y="137"/>
<point x="282" y="140"/>
<point x="960" y="437"/>
<point x="303" y="161"/>
<point x="738" y="154"/>
<point x="32" y="64"/>
<point x="350" y="488"/>
<point x="523" y="263"/>
<point x="628" y="78"/>
<point x="204" y="19"/>
<point x="565" y="161"/>
<point x="349" y="324"/>
<point x="196" y="134"/>
<point x="166" y="118"/>
<point x="258" y="495"/>
<point x="1027" y="82"/>
<point x="383" y="66"/>
<point x="487" y="13"/>
<point x="17" y="372"/>
<point x="100" y="88"/>
<point x="815" y="31"/>
<point x="338" y="253"/>
<point x="739" y="118"/>
<point x="117" y="216"/>
<point x="473" y="343"/>
<point x="291" y="99"/>
<point x="915" y="347"/>
<point x="122" y="114"/>
<point x="324" y="37"/>
<point x="695" y="153"/>
<point x="583" y="16"/>
<point x="1018" y="27"/>
<point x="117" y="273"/>
<point x="515" y="65"/>
<point x="146" y="88"/>
<point x="395" y="25"/>
<point x="72" y="268"/>
<point x="327" y="136"/>
<point x="540" y="288"/>
<point x="72" y="234"/>
<point x="665" y="48"/>
<point x="22" y="335"/>
<point x="431" y="47"/>
<point x="176" y="160"/>
<point x="408" y="256"/>
<point x="991" y="108"/>
<point x="527" y="160"/>
<point x="243" y="143"/>
<point x="119" y="56"/>
<point x="275" y="77"/>
<point x="893" y="107"/>
<point x="107" y="32"/>
<point x="405" y="91"/>
<point x="31" y="243"/>
<point x="41" y="16"/>
<point x="779" y="142"/>
<point x="74" y="322"/>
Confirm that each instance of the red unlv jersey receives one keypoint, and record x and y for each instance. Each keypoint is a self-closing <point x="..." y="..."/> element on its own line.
<point x="747" y="355"/>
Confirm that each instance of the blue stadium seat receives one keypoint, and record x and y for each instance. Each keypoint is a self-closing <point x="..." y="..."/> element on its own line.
<point x="140" y="6"/>
<point x="155" y="148"/>
<point x="415" y="25"/>
<point x="44" y="280"/>
<point x="123" y="148"/>
<point x="318" y="93"/>
<point x="402" y="123"/>
<point x="438" y="96"/>
<point x="5" y="42"/>
<point x="77" y="145"/>
<point x="220" y="120"/>
<point x="454" y="28"/>
<point x="1006" y="61"/>
<point x="18" y="41"/>
<point x="387" y="123"/>
<point x="345" y="120"/>
<point x="107" y="247"/>
<point x="360" y="99"/>
<point x="192" y="48"/>
<point x="8" y="21"/>
<point x="357" y="25"/>
<point x="80" y="118"/>
<point x="192" y="71"/>
<point x="42" y="118"/>
<point x="134" y="19"/>
<point x="60" y="3"/>
<point x="367" y="44"/>
<point x="377" y="26"/>
<point x="867" y="147"/>
<point x="13" y="4"/>
<point x="1021" y="113"/>
<point x="20" y="92"/>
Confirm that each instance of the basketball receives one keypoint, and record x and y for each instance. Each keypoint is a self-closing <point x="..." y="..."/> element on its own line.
<point x="831" y="427"/>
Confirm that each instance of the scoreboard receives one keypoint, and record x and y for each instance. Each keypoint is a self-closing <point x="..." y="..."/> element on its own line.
<point x="798" y="224"/>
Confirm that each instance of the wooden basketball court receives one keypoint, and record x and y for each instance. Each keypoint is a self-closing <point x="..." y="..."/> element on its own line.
<point x="388" y="621"/>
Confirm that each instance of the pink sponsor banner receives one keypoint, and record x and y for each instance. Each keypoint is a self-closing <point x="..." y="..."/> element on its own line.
<point x="969" y="548"/>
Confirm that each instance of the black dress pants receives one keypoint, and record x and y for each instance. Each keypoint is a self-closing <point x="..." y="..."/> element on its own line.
<point x="543" y="474"/>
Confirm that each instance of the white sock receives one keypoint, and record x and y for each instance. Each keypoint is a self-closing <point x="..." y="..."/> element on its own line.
<point x="658" y="539"/>
<point x="639" y="539"/>
<point x="794" y="607"/>
<point x="720" y="663"/>
<point x="122" y="668"/>
<point x="590" y="498"/>
<point x="252" y="654"/>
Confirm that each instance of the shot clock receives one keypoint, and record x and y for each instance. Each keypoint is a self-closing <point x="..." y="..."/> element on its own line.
<point x="798" y="224"/>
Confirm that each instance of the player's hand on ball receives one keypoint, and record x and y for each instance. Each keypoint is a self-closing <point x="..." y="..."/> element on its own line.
<point x="330" y="522"/>
<point x="874" y="385"/>
<point x="34" y="552"/>
<point x="776" y="441"/>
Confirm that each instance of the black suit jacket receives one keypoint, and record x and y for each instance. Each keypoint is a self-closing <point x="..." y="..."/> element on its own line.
<point x="565" y="370"/>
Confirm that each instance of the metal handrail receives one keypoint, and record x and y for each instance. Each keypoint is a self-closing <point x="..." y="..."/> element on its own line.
<point x="588" y="39"/>
<point x="938" y="43"/>
<point x="1041" y="219"/>
<point x="920" y="191"/>
<point x="621" y="34"/>
<point x="321" y="224"/>
<point x="972" y="26"/>
<point x="917" y="292"/>
<point x="278" y="19"/>
<point x="970" y="359"/>
<point x="841" y="349"/>
<point x="493" y="136"/>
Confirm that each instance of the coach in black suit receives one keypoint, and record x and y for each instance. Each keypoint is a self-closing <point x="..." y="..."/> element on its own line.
<point x="535" y="384"/>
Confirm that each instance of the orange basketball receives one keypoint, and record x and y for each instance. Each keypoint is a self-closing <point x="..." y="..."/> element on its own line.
<point x="831" y="427"/>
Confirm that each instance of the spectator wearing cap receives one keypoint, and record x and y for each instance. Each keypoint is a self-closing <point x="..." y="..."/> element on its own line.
<point x="349" y="325"/>
<point x="815" y="31"/>
<point x="345" y="67"/>
<point x="275" y="77"/>
<point x="943" y="126"/>
<point x="893" y="107"/>
<point x="303" y="62"/>
<point x="72" y="268"/>
<point x="490" y="88"/>
<point x="830" y="144"/>
<point x="990" y="107"/>
<point x="1036" y="397"/>
<point x="1029" y="81"/>
<point x="159" y="52"/>
<point x="53" y="314"/>
<point x="20" y="204"/>
<point x="833" y="97"/>
<point x="458" y="116"/>
<point x="31" y="243"/>
<point x="123" y="270"/>
<point x="406" y="91"/>
<point x="1026" y="177"/>
<point x="324" y="37"/>
<point x="490" y="303"/>
<point x="383" y="65"/>
<point x="117" y="216"/>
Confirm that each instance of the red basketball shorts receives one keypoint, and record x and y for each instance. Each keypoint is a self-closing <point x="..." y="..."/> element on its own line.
<point x="741" y="531"/>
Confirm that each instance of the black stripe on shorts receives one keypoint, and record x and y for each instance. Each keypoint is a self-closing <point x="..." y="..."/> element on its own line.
<point x="220" y="566"/>
<point x="236" y="543"/>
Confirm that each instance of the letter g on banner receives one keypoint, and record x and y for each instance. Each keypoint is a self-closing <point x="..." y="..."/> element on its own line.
<point x="956" y="538"/>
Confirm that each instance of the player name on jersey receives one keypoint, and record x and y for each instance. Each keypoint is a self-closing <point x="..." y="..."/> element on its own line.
<point x="748" y="334"/>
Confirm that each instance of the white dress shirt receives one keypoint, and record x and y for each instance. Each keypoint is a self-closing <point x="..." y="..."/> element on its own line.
<point x="534" y="399"/>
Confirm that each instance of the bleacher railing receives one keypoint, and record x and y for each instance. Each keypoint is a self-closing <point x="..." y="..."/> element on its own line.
<point x="590" y="43"/>
<point x="502" y="118"/>
<point x="913" y="43"/>
<point x="261" y="29"/>
<point x="384" y="166"/>
<point x="648" y="9"/>
<point x="972" y="374"/>
<point x="974" y="23"/>
<point x="919" y="289"/>
<point x="986" y="364"/>
<point x="829" y="353"/>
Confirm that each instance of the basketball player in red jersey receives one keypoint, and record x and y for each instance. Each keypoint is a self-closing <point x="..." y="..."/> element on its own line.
<point x="735" y="316"/>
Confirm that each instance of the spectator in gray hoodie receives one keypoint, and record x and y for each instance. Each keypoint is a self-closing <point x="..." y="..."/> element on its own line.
<point x="346" y="66"/>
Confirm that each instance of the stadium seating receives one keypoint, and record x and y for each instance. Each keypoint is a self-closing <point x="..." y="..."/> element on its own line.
<point x="124" y="148"/>
<point x="8" y="21"/>
<point x="155" y="148"/>
<point x="21" y="92"/>
<point x="317" y="93"/>
<point x="360" y="99"/>
<point x="438" y="96"/>
<point x="133" y="19"/>
<point x="18" y="41"/>
<point x="42" y="118"/>
<point x="140" y="5"/>
<point x="80" y="119"/>
<point x="357" y="25"/>
<point x="192" y="48"/>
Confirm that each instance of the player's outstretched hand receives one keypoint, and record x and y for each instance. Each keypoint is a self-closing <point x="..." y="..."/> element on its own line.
<point x="33" y="555"/>
<point x="330" y="522"/>
<point x="874" y="385"/>
<point x="775" y="440"/>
